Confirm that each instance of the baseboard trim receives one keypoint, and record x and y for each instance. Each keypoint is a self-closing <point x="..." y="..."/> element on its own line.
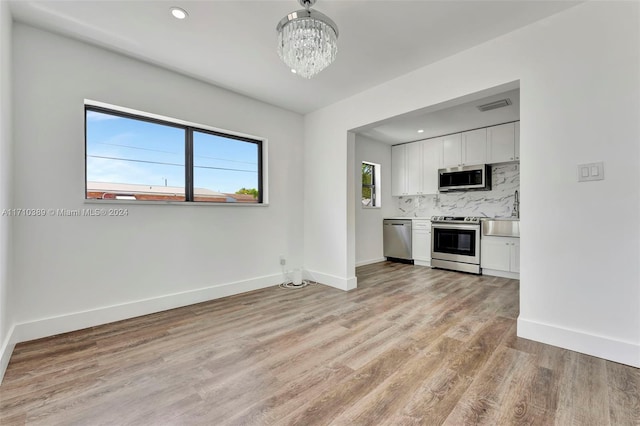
<point x="78" y="320"/>
<point x="503" y="274"/>
<point x="345" y="284"/>
<point x="370" y="261"/>
<point x="5" y="352"/>
<point x="599" y="346"/>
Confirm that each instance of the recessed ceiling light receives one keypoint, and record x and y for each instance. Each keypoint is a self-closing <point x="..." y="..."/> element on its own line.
<point x="294" y="71"/>
<point x="179" y="13"/>
<point x="420" y="131"/>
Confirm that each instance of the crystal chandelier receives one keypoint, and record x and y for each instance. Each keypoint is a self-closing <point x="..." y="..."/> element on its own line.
<point x="307" y="40"/>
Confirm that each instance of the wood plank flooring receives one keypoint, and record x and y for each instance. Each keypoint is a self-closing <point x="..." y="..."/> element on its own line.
<point x="410" y="346"/>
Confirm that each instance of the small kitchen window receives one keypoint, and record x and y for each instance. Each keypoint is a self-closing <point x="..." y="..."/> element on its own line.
<point x="370" y="185"/>
<point x="136" y="156"/>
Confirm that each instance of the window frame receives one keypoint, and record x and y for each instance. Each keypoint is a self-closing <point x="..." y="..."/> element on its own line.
<point x="189" y="128"/>
<point x="375" y="185"/>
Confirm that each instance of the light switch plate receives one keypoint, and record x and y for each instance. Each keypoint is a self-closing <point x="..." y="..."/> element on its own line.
<point x="591" y="171"/>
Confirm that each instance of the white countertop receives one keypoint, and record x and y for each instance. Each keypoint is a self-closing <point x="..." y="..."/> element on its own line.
<point x="429" y="218"/>
<point x="408" y="217"/>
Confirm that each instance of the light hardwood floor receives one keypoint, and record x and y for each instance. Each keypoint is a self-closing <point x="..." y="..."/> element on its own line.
<point x="410" y="346"/>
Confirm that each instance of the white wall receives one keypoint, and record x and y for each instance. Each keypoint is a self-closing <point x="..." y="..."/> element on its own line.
<point x="579" y="78"/>
<point x="6" y="163"/>
<point x="326" y="190"/>
<point x="71" y="272"/>
<point x="368" y="221"/>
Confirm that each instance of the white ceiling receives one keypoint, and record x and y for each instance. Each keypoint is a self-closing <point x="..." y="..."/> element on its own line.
<point x="445" y="119"/>
<point x="232" y="44"/>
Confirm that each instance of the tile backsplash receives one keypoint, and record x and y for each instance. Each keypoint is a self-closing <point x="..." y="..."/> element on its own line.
<point x="498" y="202"/>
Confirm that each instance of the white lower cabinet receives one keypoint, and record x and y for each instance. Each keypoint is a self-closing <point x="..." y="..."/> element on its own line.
<point x="500" y="256"/>
<point x="515" y="256"/>
<point x="421" y="242"/>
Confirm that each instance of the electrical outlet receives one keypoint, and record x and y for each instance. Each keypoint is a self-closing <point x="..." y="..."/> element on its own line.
<point x="283" y="261"/>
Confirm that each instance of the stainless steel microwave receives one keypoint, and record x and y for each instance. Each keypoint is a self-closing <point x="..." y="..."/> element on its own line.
<point x="465" y="178"/>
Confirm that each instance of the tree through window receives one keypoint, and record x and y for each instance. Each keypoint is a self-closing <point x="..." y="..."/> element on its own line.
<point x="370" y="177"/>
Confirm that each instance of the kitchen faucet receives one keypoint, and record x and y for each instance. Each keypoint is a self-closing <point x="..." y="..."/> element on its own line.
<point x="516" y="205"/>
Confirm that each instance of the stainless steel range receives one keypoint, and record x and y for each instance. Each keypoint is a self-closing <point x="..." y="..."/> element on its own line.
<point x="455" y="243"/>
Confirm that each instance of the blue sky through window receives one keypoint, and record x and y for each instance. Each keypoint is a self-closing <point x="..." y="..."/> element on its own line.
<point x="223" y="164"/>
<point x="125" y="150"/>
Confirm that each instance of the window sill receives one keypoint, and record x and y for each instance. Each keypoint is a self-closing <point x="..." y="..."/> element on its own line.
<point x="371" y="208"/>
<point x="172" y="203"/>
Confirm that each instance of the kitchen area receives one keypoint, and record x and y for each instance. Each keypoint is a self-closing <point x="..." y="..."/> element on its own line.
<point x="450" y="200"/>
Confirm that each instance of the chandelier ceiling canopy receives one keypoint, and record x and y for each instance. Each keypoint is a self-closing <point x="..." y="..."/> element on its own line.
<point x="307" y="40"/>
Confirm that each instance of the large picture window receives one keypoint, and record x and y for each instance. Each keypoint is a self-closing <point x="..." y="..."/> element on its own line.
<point x="139" y="158"/>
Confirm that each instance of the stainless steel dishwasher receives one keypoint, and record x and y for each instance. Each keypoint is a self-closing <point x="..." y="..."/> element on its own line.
<point x="397" y="239"/>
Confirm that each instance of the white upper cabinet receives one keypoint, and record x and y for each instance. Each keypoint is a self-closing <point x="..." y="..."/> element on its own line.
<point x="398" y="171"/>
<point x="517" y="138"/>
<point x="431" y="162"/>
<point x="414" y="168"/>
<point x="474" y="147"/>
<point x="406" y="169"/>
<point x="501" y="143"/>
<point x="464" y="149"/>
<point x="452" y="150"/>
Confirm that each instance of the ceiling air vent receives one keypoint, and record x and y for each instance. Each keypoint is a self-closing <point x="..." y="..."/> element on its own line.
<point x="494" y="105"/>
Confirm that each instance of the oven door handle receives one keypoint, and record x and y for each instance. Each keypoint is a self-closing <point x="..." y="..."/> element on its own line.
<point x="472" y="227"/>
